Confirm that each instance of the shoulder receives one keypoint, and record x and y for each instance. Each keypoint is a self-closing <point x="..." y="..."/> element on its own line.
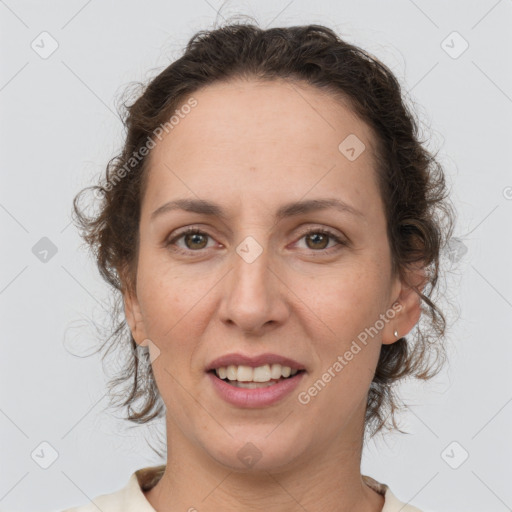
<point x="130" y="498"/>
<point x="391" y="502"/>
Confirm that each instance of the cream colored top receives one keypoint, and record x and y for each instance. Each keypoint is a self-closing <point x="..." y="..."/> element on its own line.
<point x="131" y="498"/>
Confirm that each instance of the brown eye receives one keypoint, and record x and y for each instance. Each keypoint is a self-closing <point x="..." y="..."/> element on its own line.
<point x="195" y="240"/>
<point x="191" y="240"/>
<point x="318" y="240"/>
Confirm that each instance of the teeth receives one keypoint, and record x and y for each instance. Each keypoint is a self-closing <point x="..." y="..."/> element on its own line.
<point x="231" y="372"/>
<point x="275" y="371"/>
<point x="265" y="373"/>
<point x="260" y="374"/>
<point x="244" y="374"/>
<point x="251" y="385"/>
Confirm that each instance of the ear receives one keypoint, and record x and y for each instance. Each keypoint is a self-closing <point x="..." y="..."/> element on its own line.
<point x="134" y="316"/>
<point x="406" y="303"/>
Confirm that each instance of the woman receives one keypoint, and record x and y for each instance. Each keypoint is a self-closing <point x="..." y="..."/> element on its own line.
<point x="274" y="227"/>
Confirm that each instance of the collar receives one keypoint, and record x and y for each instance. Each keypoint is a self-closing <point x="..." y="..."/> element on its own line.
<point x="146" y="478"/>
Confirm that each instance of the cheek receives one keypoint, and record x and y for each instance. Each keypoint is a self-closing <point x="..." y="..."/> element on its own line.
<point x="166" y="292"/>
<point x="173" y="304"/>
<point x="163" y="301"/>
<point x="347" y="299"/>
<point x="344" y="305"/>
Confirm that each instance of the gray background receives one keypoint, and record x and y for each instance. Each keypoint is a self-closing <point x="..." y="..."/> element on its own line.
<point x="58" y="130"/>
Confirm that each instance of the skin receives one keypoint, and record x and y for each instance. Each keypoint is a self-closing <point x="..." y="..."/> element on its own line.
<point x="250" y="147"/>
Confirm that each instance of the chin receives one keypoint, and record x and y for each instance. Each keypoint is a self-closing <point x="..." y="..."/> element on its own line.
<point x="253" y="453"/>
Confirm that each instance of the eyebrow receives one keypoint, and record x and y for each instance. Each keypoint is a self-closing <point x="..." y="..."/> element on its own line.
<point x="292" y="209"/>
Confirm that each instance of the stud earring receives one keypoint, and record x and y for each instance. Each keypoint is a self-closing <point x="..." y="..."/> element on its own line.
<point x="396" y="334"/>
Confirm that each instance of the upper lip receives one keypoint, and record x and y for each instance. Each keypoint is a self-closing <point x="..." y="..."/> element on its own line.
<point x="253" y="361"/>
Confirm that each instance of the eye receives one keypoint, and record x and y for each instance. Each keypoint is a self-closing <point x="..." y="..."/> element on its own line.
<point x="318" y="239"/>
<point x="193" y="238"/>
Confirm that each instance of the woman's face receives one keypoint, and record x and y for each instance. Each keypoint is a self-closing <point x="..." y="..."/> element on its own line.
<point x="254" y="283"/>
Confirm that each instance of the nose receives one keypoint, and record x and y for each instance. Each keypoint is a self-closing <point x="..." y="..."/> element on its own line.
<point x="254" y="296"/>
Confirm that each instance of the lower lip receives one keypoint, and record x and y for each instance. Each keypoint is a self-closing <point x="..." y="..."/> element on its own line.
<point x="257" y="397"/>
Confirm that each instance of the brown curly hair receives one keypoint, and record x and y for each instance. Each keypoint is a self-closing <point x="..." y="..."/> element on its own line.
<point x="412" y="184"/>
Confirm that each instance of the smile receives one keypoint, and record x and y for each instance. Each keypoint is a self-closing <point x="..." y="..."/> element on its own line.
<point x="248" y="374"/>
<point x="249" y="393"/>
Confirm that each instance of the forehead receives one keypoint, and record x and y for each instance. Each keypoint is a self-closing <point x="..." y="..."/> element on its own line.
<point x="247" y="137"/>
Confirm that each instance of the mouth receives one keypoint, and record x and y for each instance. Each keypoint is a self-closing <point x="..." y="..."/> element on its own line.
<point x="254" y="381"/>
<point x="248" y="377"/>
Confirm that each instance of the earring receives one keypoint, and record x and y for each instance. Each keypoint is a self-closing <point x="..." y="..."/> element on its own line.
<point x="396" y="334"/>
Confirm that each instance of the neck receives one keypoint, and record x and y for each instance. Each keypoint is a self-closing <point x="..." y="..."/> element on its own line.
<point x="328" y="479"/>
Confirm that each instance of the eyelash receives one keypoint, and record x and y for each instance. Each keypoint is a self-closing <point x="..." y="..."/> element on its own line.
<point x="310" y="231"/>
